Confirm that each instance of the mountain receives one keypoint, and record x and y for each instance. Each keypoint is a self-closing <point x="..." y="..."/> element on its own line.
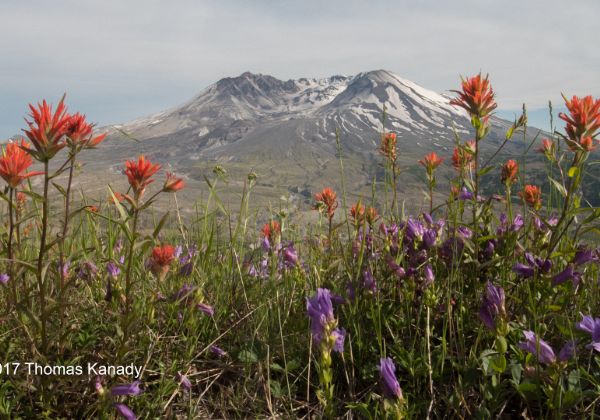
<point x="285" y="131"/>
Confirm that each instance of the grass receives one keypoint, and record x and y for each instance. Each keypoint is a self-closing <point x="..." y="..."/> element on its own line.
<point x="229" y="313"/>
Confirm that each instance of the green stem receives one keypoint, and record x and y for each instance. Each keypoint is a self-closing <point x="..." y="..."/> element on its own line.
<point x="40" y="261"/>
<point x="9" y="248"/>
<point x="63" y="236"/>
<point x="128" y="276"/>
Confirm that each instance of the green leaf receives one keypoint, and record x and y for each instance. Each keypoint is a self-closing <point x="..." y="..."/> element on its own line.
<point x="60" y="189"/>
<point x="275" y="387"/>
<point x="574" y="170"/>
<point x="247" y="356"/>
<point x="510" y="132"/>
<point x="485" y="170"/>
<point x="498" y="363"/>
<point x="118" y="205"/>
<point x="160" y="225"/>
<point x="559" y="187"/>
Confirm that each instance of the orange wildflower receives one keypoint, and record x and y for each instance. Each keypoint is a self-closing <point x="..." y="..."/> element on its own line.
<point x="532" y="196"/>
<point x="80" y="133"/>
<point x="548" y="147"/>
<point x="161" y="259"/>
<point x="172" y="183"/>
<point x="510" y="171"/>
<point x="139" y="174"/>
<point x="47" y="129"/>
<point x="388" y="146"/>
<point x="371" y="215"/>
<point x="582" y="122"/>
<point x="14" y="163"/>
<point x="431" y="161"/>
<point x="326" y="199"/>
<point x="357" y="212"/>
<point x="271" y="229"/>
<point x="462" y="158"/>
<point x="476" y="96"/>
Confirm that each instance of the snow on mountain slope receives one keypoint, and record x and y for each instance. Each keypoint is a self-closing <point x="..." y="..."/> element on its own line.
<point x="240" y="117"/>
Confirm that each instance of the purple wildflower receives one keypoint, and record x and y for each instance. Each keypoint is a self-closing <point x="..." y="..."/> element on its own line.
<point x="207" y="309"/>
<point x="568" y="273"/>
<point x="492" y="305"/>
<point x="113" y="270"/>
<point x="429" y="238"/>
<point x="4" y="278"/>
<point x="337" y="299"/>
<point x="414" y="229"/>
<point x="98" y="385"/>
<point x="567" y="351"/>
<point x="545" y="355"/>
<point x="266" y="245"/>
<point x="182" y="293"/>
<point x="428" y="275"/>
<point x="186" y="269"/>
<point x="465" y="194"/>
<point x="290" y="257"/>
<point x="178" y="251"/>
<point x="583" y="256"/>
<point x="339" y="334"/>
<point x="517" y="223"/>
<point x="465" y="232"/>
<point x="252" y="271"/>
<point x="523" y="270"/>
<point x="87" y="270"/>
<point x="389" y="382"/>
<point x="218" y="351"/>
<point x="126" y="389"/>
<point x="369" y="281"/>
<point x="183" y="381"/>
<point x="125" y="411"/>
<point x="320" y="311"/>
<point x="592" y="326"/>
<point x="395" y="267"/>
<point x="490" y="248"/>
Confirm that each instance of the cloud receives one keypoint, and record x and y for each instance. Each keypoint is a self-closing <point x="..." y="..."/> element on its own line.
<point x="120" y="60"/>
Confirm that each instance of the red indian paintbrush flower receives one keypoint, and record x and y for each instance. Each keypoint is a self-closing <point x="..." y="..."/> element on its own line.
<point x="371" y="215"/>
<point x="47" y="129"/>
<point x="431" y="161"/>
<point x="388" y="146"/>
<point x="271" y="230"/>
<point x="476" y="96"/>
<point x="80" y="133"/>
<point x="139" y="174"/>
<point x="462" y="158"/>
<point x="14" y="162"/>
<point x="548" y="147"/>
<point x="532" y="196"/>
<point x="510" y="170"/>
<point x="326" y="199"/>
<point x="161" y="259"/>
<point x="172" y="183"/>
<point x="357" y="212"/>
<point x="582" y="122"/>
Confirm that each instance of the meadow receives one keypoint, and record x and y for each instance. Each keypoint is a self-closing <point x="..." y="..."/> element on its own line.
<point x="485" y="306"/>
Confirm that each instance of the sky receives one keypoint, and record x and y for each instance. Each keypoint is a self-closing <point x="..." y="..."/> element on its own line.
<point x="119" y="60"/>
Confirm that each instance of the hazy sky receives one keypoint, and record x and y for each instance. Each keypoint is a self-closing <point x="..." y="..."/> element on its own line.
<point x="118" y="60"/>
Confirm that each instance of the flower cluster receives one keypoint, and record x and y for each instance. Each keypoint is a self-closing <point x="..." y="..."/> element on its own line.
<point x="582" y="122"/>
<point x="326" y="201"/>
<point x="324" y="326"/>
